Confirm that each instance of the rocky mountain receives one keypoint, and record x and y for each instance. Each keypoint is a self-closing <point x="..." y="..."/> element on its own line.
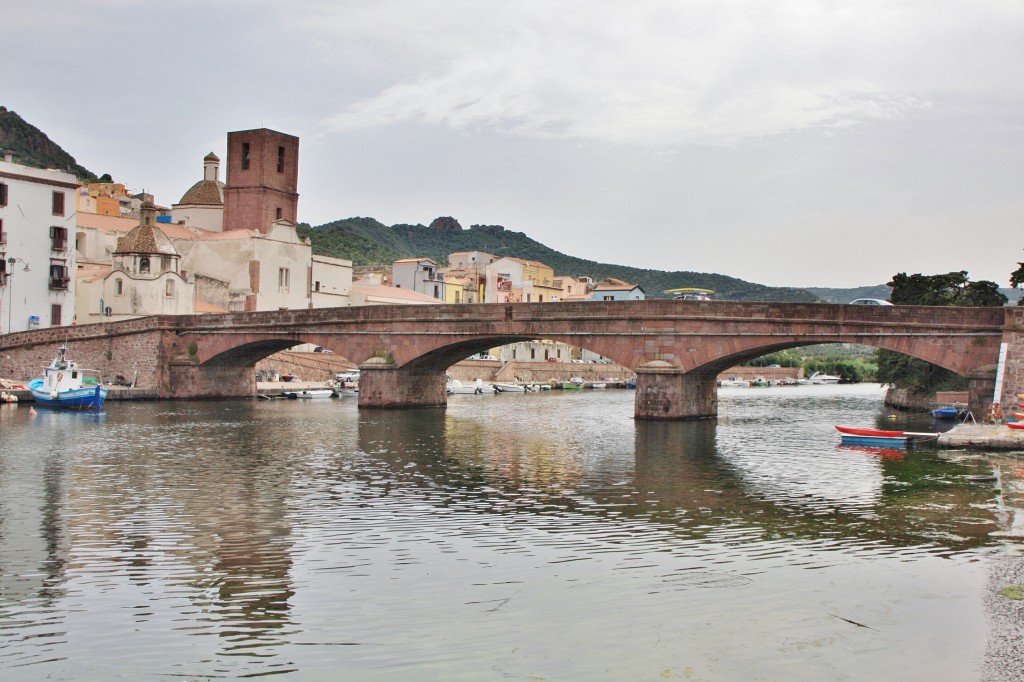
<point x="31" y="146"/>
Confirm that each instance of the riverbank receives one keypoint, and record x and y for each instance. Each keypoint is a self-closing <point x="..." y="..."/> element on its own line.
<point x="983" y="437"/>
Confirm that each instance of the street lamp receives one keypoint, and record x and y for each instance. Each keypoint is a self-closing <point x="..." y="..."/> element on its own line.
<point x="10" y="287"/>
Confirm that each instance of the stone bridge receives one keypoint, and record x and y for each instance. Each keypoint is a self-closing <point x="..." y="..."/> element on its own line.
<point x="676" y="348"/>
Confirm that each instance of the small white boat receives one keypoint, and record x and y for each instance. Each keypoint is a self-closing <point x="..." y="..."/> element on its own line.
<point x="509" y="388"/>
<point x="733" y="382"/>
<point x="595" y="384"/>
<point x="456" y="387"/>
<point x="819" y="378"/>
<point x="484" y="389"/>
<point x="308" y="393"/>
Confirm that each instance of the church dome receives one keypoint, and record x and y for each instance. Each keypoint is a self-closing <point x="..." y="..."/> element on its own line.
<point x="148" y="239"/>
<point x="209" y="191"/>
<point x="204" y="193"/>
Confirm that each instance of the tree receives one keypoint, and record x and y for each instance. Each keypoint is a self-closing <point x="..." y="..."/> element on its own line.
<point x="950" y="289"/>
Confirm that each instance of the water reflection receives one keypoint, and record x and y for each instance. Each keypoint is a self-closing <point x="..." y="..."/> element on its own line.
<point x="253" y="538"/>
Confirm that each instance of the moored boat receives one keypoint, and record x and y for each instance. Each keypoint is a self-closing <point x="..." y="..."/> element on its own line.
<point x="308" y="393"/>
<point x="857" y="435"/>
<point x="947" y="412"/>
<point x="66" y="385"/>
<point x="819" y="378"/>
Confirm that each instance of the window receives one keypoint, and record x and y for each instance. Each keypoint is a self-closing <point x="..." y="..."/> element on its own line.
<point x="59" y="275"/>
<point x="245" y="155"/>
<point x="55" y="314"/>
<point x="58" y="237"/>
<point x="283" y="280"/>
<point x="458" y="296"/>
<point x="280" y="159"/>
<point x="3" y="235"/>
<point x="165" y="263"/>
<point x="58" y="203"/>
<point x="118" y="287"/>
<point x="608" y="298"/>
<point x="3" y="193"/>
<point x="3" y="268"/>
<point x="169" y="288"/>
<point x="316" y="286"/>
<point x="144" y="264"/>
<point x="277" y="213"/>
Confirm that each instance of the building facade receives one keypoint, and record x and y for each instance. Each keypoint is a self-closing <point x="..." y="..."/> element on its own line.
<point x="420" y="275"/>
<point x="37" y="255"/>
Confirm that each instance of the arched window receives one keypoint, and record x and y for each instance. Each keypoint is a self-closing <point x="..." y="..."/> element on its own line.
<point x="144" y="264"/>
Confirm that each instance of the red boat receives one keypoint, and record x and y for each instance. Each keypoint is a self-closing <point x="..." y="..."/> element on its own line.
<point x="1015" y="425"/>
<point x="876" y="433"/>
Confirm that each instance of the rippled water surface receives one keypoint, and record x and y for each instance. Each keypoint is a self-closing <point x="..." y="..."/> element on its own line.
<point x="525" y="537"/>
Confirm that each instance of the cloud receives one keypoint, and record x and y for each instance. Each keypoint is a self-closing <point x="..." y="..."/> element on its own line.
<point x="669" y="73"/>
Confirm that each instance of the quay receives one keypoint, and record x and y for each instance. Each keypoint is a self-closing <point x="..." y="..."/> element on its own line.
<point x="982" y="437"/>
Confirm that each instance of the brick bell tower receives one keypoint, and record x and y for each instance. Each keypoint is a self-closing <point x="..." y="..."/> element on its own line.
<point x="261" y="179"/>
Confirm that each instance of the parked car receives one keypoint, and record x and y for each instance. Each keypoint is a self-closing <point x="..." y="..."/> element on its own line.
<point x="869" y="301"/>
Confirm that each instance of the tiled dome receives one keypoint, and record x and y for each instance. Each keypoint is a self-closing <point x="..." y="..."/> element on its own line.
<point x="204" y="193"/>
<point x="146" y="239"/>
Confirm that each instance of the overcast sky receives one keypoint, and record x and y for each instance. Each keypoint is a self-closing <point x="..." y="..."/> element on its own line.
<point x="826" y="143"/>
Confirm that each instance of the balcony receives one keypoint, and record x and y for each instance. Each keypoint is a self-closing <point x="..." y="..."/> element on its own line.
<point x="59" y="283"/>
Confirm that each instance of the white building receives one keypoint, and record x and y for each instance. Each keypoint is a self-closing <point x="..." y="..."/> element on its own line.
<point x="420" y="275"/>
<point x="37" y="256"/>
<point x="143" y="280"/>
<point x="612" y="289"/>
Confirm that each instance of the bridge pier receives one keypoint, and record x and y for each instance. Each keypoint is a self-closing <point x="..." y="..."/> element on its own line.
<point x="198" y="381"/>
<point x="981" y="387"/>
<point x="666" y="393"/>
<point x="391" y="387"/>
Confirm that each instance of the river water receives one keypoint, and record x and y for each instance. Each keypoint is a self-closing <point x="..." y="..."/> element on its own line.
<point x="514" y="537"/>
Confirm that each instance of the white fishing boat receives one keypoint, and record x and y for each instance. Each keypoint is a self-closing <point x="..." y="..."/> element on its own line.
<point x="66" y="385"/>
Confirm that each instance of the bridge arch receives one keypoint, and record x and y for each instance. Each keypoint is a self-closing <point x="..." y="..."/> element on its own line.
<point x="675" y="347"/>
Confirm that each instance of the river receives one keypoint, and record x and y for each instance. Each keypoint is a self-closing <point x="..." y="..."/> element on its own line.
<point x="544" y="536"/>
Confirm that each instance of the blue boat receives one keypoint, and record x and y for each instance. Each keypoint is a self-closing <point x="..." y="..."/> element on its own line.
<point x="66" y="385"/>
<point x="877" y="441"/>
<point x="948" y="412"/>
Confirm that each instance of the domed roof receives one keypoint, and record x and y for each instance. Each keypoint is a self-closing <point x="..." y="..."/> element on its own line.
<point x="204" y="193"/>
<point x="146" y="238"/>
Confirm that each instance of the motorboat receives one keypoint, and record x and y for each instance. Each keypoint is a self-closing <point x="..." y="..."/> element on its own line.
<point x="66" y="385"/>
<point x="947" y="412"/>
<point x="511" y="388"/>
<point x="456" y="387"/>
<point x="819" y="378"/>
<point x="308" y="393"/>
<point x="733" y="382"/>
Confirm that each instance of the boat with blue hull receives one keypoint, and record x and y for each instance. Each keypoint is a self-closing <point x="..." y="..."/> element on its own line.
<point x="67" y="386"/>
<point x="856" y="435"/>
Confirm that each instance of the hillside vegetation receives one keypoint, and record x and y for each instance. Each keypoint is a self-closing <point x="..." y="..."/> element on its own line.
<point x="31" y="147"/>
<point x="366" y="241"/>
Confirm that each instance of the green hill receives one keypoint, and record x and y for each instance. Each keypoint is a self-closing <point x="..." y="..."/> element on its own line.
<point x="31" y="147"/>
<point x="366" y="241"/>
